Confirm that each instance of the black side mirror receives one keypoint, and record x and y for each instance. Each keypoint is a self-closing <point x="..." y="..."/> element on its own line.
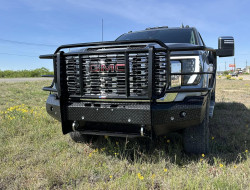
<point x="225" y="46"/>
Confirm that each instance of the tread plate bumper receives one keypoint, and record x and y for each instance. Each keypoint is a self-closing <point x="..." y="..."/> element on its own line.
<point x="164" y="117"/>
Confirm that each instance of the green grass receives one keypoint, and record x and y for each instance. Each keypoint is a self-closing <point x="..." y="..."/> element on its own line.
<point x="34" y="154"/>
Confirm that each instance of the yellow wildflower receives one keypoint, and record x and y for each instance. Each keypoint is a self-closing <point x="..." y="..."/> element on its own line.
<point x="203" y="155"/>
<point x="140" y="176"/>
<point x="110" y="176"/>
<point x="221" y="165"/>
<point x="168" y="141"/>
<point x="153" y="176"/>
<point x="212" y="138"/>
<point x="90" y="154"/>
<point x="235" y="166"/>
<point x="246" y="151"/>
<point x="165" y="169"/>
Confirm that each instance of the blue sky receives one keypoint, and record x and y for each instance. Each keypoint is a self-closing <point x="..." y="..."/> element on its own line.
<point x="55" y="22"/>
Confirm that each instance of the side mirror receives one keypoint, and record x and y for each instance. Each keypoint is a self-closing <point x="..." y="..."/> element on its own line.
<point x="225" y="46"/>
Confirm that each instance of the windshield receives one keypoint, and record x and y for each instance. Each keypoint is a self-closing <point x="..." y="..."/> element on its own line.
<point x="166" y="36"/>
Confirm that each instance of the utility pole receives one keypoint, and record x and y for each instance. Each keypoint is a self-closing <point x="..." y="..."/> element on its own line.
<point x="102" y="29"/>
<point x="234" y="65"/>
<point x="246" y="66"/>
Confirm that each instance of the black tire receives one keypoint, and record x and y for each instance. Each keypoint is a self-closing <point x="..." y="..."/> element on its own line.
<point x="78" y="137"/>
<point x="196" y="139"/>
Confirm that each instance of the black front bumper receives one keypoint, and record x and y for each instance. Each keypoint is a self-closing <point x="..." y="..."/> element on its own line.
<point x="161" y="117"/>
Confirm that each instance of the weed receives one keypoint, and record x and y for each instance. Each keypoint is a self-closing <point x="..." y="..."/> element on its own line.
<point x="34" y="154"/>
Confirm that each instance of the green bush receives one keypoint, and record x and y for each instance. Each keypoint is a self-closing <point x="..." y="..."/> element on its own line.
<point x="228" y="76"/>
<point x="25" y="73"/>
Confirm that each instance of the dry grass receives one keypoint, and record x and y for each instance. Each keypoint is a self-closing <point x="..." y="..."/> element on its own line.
<point x="35" y="155"/>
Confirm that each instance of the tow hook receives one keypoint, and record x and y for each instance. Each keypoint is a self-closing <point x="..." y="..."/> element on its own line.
<point x="75" y="125"/>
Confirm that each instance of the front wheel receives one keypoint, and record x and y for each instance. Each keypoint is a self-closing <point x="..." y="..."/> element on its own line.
<point x="196" y="139"/>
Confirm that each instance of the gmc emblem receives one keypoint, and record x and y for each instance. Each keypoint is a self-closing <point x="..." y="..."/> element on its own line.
<point x="109" y="68"/>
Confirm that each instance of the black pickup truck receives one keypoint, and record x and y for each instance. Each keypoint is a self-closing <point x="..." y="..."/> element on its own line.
<point x="143" y="84"/>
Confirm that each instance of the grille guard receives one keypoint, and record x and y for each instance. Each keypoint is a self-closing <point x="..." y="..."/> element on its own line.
<point x="59" y="69"/>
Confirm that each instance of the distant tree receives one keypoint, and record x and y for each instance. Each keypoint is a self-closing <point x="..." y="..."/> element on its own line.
<point x="25" y="73"/>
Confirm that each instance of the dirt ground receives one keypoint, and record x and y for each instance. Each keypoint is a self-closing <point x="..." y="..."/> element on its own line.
<point x="14" y="80"/>
<point x="245" y="77"/>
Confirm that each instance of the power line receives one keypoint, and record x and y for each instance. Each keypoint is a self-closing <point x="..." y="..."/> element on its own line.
<point x="27" y="43"/>
<point x="19" y="54"/>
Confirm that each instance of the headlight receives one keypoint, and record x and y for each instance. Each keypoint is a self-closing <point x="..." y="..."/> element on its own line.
<point x="185" y="65"/>
<point x="175" y="68"/>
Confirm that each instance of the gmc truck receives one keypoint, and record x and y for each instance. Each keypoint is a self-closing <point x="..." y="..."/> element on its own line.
<point x="144" y="84"/>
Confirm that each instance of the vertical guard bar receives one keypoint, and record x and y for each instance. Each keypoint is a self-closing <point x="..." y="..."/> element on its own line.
<point x="80" y="74"/>
<point x="55" y="70"/>
<point x="168" y="69"/>
<point x="127" y="85"/>
<point x="214" y="72"/>
<point x="62" y="92"/>
<point x="59" y="57"/>
<point x="150" y="72"/>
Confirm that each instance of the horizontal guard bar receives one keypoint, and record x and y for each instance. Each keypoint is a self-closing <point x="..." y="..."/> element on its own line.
<point x="164" y="47"/>
<point x="48" y="56"/>
<point x="47" y="75"/>
<point x="191" y="73"/>
<point x="111" y="43"/>
<point x="51" y="56"/>
<point x="49" y="89"/>
<point x="112" y="97"/>
<point x="135" y="42"/>
<point x="188" y="90"/>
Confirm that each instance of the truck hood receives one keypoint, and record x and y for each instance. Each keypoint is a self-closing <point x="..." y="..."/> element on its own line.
<point x="183" y="45"/>
<point x="143" y="45"/>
